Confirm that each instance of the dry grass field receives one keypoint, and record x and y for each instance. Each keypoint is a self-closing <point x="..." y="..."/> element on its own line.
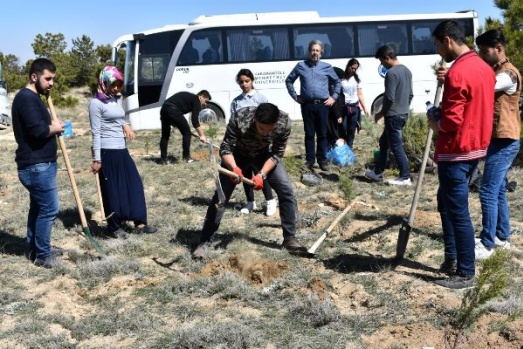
<point x="248" y="293"/>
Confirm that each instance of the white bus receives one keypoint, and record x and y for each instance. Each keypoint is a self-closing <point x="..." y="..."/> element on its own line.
<point x="207" y="53"/>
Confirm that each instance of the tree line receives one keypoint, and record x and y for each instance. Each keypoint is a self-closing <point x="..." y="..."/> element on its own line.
<point x="77" y="67"/>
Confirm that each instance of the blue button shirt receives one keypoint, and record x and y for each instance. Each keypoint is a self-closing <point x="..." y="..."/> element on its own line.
<point x="314" y="80"/>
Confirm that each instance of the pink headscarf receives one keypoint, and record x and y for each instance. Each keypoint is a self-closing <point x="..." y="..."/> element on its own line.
<point x="108" y="76"/>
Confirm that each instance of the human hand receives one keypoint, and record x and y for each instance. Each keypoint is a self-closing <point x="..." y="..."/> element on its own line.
<point x="329" y="101"/>
<point x="203" y="139"/>
<point x="128" y="132"/>
<point x="340" y="120"/>
<point x="237" y="171"/>
<point x="258" y="182"/>
<point x="299" y="99"/>
<point x="440" y="73"/>
<point x="57" y="126"/>
<point x="96" y="166"/>
<point x="377" y="117"/>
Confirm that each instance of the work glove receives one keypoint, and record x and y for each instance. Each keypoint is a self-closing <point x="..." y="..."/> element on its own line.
<point x="238" y="172"/>
<point x="258" y="181"/>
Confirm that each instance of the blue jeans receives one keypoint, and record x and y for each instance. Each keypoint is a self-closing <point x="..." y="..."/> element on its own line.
<point x="351" y="121"/>
<point x="279" y="181"/>
<point x="492" y="195"/>
<point x="453" y="206"/>
<point x="315" y="123"/>
<point x="392" y="139"/>
<point x="40" y="181"/>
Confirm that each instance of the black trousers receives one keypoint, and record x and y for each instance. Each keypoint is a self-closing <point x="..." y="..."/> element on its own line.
<point x="171" y="117"/>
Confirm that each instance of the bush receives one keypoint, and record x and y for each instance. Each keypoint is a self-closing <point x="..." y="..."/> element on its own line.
<point x="415" y="137"/>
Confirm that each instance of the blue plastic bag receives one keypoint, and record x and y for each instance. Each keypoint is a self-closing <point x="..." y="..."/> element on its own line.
<point x="68" y="131"/>
<point x="341" y="155"/>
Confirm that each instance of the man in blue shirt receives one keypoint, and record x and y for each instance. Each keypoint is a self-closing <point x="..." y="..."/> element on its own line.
<point x="315" y="101"/>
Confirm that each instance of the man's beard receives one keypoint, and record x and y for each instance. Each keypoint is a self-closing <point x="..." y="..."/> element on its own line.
<point x="40" y="89"/>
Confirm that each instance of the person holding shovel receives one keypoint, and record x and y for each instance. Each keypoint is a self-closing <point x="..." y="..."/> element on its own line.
<point x="463" y="128"/>
<point x="172" y="114"/>
<point x="251" y="98"/>
<point x="35" y="158"/>
<point x="122" y="188"/>
<point x="253" y="146"/>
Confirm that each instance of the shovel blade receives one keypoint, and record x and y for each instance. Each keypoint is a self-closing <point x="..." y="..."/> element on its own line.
<point x="403" y="240"/>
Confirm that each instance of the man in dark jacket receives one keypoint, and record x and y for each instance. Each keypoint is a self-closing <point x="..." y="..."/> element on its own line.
<point x="172" y="114"/>
<point x="253" y="145"/>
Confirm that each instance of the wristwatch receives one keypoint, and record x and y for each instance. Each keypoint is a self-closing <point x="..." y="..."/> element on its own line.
<point x="263" y="175"/>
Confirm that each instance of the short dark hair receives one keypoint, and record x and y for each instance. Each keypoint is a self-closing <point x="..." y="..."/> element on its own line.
<point x="267" y="113"/>
<point x="450" y="28"/>
<point x="245" y="72"/>
<point x="205" y="94"/>
<point x="491" y="38"/>
<point x="39" y="65"/>
<point x="385" y="51"/>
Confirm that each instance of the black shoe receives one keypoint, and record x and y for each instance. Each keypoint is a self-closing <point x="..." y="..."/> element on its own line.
<point x="146" y="229"/>
<point x="511" y="186"/>
<point x="457" y="282"/>
<point x="121" y="234"/>
<point x="449" y="267"/>
<point x="324" y="166"/>
<point x="48" y="263"/>
<point x="55" y="252"/>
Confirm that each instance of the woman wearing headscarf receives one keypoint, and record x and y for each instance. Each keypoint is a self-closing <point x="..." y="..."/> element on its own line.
<point x="121" y="186"/>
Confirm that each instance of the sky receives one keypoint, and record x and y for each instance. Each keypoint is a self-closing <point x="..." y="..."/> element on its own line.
<point x="23" y="20"/>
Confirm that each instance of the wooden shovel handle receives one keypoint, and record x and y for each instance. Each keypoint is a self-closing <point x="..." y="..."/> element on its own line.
<point x="233" y="175"/>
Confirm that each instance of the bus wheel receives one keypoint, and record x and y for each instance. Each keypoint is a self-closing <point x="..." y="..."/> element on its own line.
<point x="376" y="105"/>
<point x="211" y="112"/>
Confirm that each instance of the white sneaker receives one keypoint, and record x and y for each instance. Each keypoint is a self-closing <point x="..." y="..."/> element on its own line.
<point x="501" y="244"/>
<point x="482" y="252"/>
<point x="497" y="243"/>
<point x="271" y="207"/>
<point x="249" y="207"/>
<point x="373" y="176"/>
<point x="400" y="181"/>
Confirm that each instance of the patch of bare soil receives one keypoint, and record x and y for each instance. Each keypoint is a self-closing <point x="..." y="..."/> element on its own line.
<point x="318" y="288"/>
<point x="255" y="270"/>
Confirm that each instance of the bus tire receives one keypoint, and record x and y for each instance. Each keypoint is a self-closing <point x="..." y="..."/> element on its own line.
<point x="220" y="115"/>
<point x="376" y="105"/>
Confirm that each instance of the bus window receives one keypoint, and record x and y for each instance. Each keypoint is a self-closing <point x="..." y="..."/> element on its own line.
<point x="337" y="40"/>
<point x="189" y="54"/>
<point x="257" y="44"/>
<point x="373" y="36"/>
<point x="422" y="37"/>
<point x="155" y="54"/>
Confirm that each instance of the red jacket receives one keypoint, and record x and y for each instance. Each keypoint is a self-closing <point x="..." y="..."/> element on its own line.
<point x="467" y="110"/>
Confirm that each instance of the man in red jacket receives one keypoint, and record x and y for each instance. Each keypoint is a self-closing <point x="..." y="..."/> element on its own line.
<point x="463" y="136"/>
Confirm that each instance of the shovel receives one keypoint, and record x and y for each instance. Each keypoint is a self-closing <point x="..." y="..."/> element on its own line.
<point x="79" y="205"/>
<point x="406" y="226"/>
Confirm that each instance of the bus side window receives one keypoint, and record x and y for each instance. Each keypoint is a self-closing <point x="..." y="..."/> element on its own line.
<point x="300" y="52"/>
<point x="264" y="54"/>
<point x="189" y="55"/>
<point x="212" y="54"/>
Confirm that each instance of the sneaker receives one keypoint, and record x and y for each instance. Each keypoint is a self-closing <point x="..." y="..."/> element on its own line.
<point x="249" y="207"/>
<point x="121" y="234"/>
<point x="400" y="181"/>
<point x="501" y="243"/>
<point x="146" y="229"/>
<point x="201" y="250"/>
<point x="449" y="267"/>
<point x="373" y="176"/>
<point x="291" y="244"/>
<point x="457" y="282"/>
<point x="324" y="166"/>
<point x="55" y="252"/>
<point x="481" y="251"/>
<point x="271" y="207"/>
<point x="189" y="160"/>
<point x="48" y="263"/>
